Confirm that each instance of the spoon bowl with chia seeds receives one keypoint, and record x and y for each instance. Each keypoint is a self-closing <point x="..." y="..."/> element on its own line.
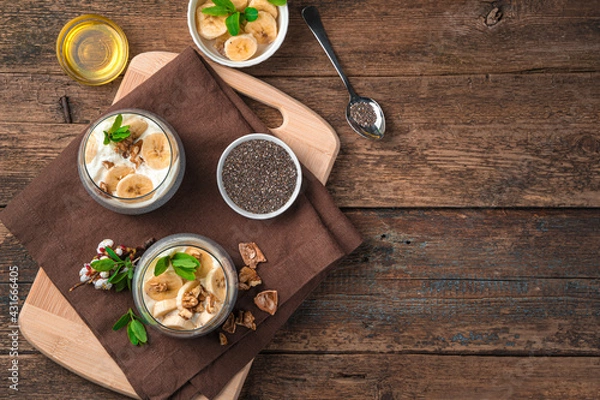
<point x="259" y="176"/>
<point x="364" y="114"/>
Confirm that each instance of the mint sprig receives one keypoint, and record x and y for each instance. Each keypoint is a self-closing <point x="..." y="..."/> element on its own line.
<point x="183" y="264"/>
<point x="136" y="331"/>
<point x="117" y="133"/>
<point x="235" y="18"/>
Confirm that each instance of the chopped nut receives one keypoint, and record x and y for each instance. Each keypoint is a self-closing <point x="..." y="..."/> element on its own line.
<point x="134" y="150"/>
<point x="185" y="313"/>
<point x="245" y="318"/>
<point x="210" y="304"/>
<point x="222" y="339"/>
<point x="249" y="277"/>
<point x="251" y="254"/>
<point x="157" y="287"/>
<point x="199" y="308"/>
<point x="267" y="301"/>
<point x="189" y="300"/>
<point x="104" y="187"/>
<point x="243" y="286"/>
<point x="123" y="147"/>
<point x="229" y="325"/>
<point x="108" y="164"/>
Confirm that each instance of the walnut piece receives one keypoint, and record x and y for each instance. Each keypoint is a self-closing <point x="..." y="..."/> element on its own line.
<point x="209" y="304"/>
<point x="229" y="325"/>
<point x="108" y="164"/>
<point x="104" y="187"/>
<point x="251" y="254"/>
<point x="189" y="300"/>
<point x="185" y="313"/>
<point x="245" y="318"/>
<point x="134" y="150"/>
<point x="157" y="287"/>
<point x="248" y="278"/>
<point x="123" y="147"/>
<point x="222" y="339"/>
<point x="267" y="301"/>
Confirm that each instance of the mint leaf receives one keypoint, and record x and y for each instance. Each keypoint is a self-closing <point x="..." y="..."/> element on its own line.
<point x="184" y="260"/>
<point x="161" y="265"/>
<point x="139" y="331"/>
<point x="116" y="123"/>
<point x="227" y="4"/>
<point x="117" y="133"/>
<point x="132" y="338"/>
<point x="278" y="2"/>
<point x="106" y="264"/>
<point x="106" y="138"/>
<point x="122" y="322"/>
<point x="185" y="273"/>
<point x="215" y="11"/>
<point x="233" y="24"/>
<point x="251" y="14"/>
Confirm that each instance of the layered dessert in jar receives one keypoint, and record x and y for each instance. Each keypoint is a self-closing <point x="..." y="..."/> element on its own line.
<point x="185" y="285"/>
<point x="131" y="161"/>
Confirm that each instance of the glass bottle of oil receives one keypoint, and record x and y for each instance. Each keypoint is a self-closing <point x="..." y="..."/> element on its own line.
<point x="92" y="49"/>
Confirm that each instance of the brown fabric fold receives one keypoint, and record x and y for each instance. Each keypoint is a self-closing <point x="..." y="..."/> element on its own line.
<point x="60" y="225"/>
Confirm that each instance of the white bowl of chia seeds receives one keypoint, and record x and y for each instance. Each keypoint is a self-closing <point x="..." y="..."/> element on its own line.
<point x="259" y="176"/>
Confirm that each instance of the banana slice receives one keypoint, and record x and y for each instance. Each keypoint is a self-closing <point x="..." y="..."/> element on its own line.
<point x="206" y="261"/>
<point x="164" y="306"/>
<point x="240" y="5"/>
<point x="264" y="28"/>
<point x="175" y="321"/>
<point x="134" y="185"/>
<point x="91" y="149"/>
<point x="187" y="287"/>
<point x="241" y="47"/>
<point x="137" y="126"/>
<point x="115" y="175"/>
<point x="210" y="26"/>
<point x="264" y="5"/>
<point x="215" y="283"/>
<point x="156" y="151"/>
<point x="164" y="286"/>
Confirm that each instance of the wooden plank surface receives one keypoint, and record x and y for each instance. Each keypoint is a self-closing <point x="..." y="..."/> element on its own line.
<point x="486" y="108"/>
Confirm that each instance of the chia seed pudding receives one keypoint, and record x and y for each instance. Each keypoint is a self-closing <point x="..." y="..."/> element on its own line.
<point x="259" y="176"/>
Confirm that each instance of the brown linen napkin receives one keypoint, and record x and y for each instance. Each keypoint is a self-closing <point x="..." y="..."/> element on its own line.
<point x="60" y="225"/>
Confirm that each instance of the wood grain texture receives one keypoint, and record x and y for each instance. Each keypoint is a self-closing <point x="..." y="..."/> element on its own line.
<point x="467" y="141"/>
<point x="410" y="38"/>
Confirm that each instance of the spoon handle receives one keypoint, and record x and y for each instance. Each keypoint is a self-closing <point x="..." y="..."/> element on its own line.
<point x="313" y="20"/>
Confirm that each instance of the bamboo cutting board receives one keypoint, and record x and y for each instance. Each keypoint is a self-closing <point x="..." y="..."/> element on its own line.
<point x="48" y="321"/>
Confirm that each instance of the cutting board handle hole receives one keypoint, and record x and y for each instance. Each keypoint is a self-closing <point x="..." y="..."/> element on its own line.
<point x="269" y="115"/>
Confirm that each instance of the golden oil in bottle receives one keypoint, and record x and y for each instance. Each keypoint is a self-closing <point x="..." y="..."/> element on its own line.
<point x="92" y="49"/>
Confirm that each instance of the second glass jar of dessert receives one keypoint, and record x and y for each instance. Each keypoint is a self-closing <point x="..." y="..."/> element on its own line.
<point x="131" y="161"/>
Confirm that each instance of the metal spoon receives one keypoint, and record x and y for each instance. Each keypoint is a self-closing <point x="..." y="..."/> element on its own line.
<point x="364" y="115"/>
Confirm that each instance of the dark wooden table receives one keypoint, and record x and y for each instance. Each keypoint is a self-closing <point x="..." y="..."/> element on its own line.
<point x="479" y="277"/>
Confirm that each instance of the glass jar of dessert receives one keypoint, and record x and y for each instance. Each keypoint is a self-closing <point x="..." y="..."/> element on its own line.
<point x="131" y="161"/>
<point x="185" y="285"/>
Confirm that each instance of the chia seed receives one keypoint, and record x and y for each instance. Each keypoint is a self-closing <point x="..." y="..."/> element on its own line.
<point x="259" y="176"/>
<point x="363" y="114"/>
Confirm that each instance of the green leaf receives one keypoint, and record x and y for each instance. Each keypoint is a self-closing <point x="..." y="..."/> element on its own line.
<point x="106" y="264"/>
<point x="112" y="254"/>
<point x="132" y="338"/>
<point x="215" y="11"/>
<point x="106" y="138"/>
<point x="122" y="322"/>
<point x="251" y="14"/>
<point x="139" y="330"/>
<point x="185" y="273"/>
<point x="278" y="2"/>
<point x="116" y="124"/>
<point x="227" y="4"/>
<point x="233" y="24"/>
<point x="161" y="265"/>
<point x="119" y="286"/>
<point x="118" y="277"/>
<point x="185" y="260"/>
